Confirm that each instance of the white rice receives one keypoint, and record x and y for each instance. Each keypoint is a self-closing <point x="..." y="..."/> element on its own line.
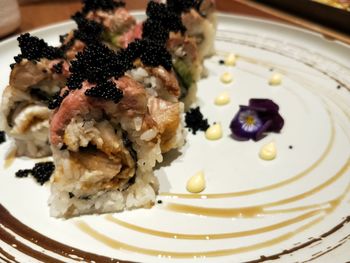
<point x="207" y="48"/>
<point x="28" y="133"/>
<point x="68" y="196"/>
<point x="141" y="194"/>
<point x="153" y="85"/>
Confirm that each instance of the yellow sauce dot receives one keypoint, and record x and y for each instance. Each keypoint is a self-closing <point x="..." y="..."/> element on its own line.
<point x="268" y="152"/>
<point x="222" y="99"/>
<point x="226" y="78"/>
<point x="214" y="132"/>
<point x="230" y="60"/>
<point x="276" y="79"/>
<point x="196" y="183"/>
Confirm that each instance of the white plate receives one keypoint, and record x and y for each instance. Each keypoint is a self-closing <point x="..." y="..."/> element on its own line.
<point x="301" y="198"/>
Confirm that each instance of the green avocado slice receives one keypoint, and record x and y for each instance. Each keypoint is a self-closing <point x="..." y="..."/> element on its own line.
<point x="184" y="75"/>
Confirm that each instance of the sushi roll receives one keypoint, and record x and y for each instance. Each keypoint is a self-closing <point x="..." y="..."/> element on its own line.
<point x="100" y="21"/>
<point x="187" y="64"/>
<point x="38" y="74"/>
<point x="165" y="26"/>
<point x="76" y="40"/>
<point x="198" y="16"/>
<point x="184" y="27"/>
<point x="119" y="26"/>
<point x="111" y="128"/>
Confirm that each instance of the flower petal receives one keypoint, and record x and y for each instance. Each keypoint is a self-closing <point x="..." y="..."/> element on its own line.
<point x="277" y="123"/>
<point x="255" y="120"/>
<point x="245" y="124"/>
<point x="261" y="133"/>
<point x="263" y="104"/>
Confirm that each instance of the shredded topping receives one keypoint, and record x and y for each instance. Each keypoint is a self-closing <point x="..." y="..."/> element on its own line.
<point x="41" y="172"/>
<point x="106" y="5"/>
<point x="195" y="121"/>
<point x="33" y="48"/>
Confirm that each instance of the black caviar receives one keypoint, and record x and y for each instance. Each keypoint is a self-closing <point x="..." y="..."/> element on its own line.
<point x="195" y="121"/>
<point x="154" y="54"/>
<point x="41" y="172"/>
<point x="154" y="29"/>
<point x="57" y="99"/>
<point x="63" y="38"/>
<point x="98" y="64"/>
<point x="106" y="5"/>
<point x="95" y="64"/>
<point x="57" y="68"/>
<point x="23" y="173"/>
<point x="74" y="81"/>
<point x="166" y="16"/>
<point x="88" y="31"/>
<point x="151" y="53"/>
<point x="33" y="48"/>
<point x="160" y="22"/>
<point x="106" y="90"/>
<point x="2" y="137"/>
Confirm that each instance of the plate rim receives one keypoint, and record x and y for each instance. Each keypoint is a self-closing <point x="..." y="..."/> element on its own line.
<point x="219" y="15"/>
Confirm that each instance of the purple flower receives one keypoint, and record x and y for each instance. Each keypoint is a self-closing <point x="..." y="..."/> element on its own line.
<point x="256" y="119"/>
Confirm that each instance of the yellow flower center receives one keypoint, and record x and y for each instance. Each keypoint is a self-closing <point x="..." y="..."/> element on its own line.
<point x="250" y="120"/>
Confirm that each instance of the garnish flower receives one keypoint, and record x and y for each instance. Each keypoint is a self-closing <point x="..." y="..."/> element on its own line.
<point x="255" y="120"/>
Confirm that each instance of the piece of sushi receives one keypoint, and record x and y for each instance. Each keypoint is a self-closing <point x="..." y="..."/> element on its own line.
<point x="75" y="41"/>
<point x="104" y="21"/>
<point x="39" y="73"/>
<point x="119" y="26"/>
<point x="187" y="65"/>
<point x="165" y="26"/>
<point x="199" y="18"/>
<point x="111" y="129"/>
